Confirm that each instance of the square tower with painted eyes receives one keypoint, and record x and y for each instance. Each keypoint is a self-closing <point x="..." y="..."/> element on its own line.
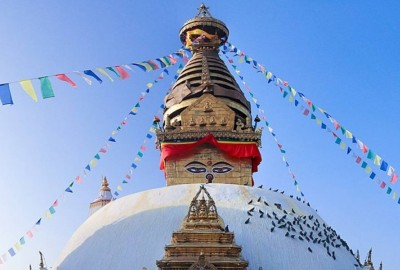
<point x="207" y="134"/>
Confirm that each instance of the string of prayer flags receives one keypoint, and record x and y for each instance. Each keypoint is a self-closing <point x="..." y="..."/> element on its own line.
<point x="87" y="75"/>
<point x="149" y="135"/>
<point x="267" y="124"/>
<point x="51" y="210"/>
<point x="309" y="107"/>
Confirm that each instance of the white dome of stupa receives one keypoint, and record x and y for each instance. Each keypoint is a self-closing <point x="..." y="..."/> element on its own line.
<point x="131" y="232"/>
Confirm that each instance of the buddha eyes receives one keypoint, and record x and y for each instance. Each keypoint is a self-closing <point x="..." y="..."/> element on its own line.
<point x="196" y="170"/>
<point x="224" y="169"/>
<point x="198" y="167"/>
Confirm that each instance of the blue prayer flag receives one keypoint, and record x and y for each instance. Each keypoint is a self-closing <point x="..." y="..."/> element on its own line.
<point x="5" y="94"/>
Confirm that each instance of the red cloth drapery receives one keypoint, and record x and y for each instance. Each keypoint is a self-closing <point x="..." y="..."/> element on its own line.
<point x="233" y="149"/>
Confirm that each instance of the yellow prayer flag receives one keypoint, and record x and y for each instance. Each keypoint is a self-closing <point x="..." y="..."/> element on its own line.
<point x="134" y="109"/>
<point x="297" y="188"/>
<point x="269" y="75"/>
<point x="48" y="215"/>
<point x="377" y="160"/>
<point x="318" y="121"/>
<point x="113" y="133"/>
<point x="343" y="145"/>
<point x="17" y="246"/>
<point x="368" y="170"/>
<point x="321" y="110"/>
<point x="348" y="134"/>
<point x="291" y="98"/>
<point x="394" y="195"/>
<point x="102" y="71"/>
<point x="149" y="85"/>
<point x="294" y="92"/>
<point x="137" y="159"/>
<point x="28" y="88"/>
<point x="119" y="188"/>
<point x="93" y="163"/>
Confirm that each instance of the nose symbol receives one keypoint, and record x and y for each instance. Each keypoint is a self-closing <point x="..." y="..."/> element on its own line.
<point x="209" y="177"/>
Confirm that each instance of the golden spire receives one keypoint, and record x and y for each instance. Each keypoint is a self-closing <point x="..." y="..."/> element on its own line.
<point x="41" y="264"/>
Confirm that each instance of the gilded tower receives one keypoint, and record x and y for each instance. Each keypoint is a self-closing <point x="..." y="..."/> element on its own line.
<point x="207" y="134"/>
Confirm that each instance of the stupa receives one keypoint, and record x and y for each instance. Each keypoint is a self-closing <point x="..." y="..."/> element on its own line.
<point x="209" y="216"/>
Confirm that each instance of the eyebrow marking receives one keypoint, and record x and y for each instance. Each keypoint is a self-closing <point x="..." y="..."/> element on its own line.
<point x="195" y="163"/>
<point x="222" y="163"/>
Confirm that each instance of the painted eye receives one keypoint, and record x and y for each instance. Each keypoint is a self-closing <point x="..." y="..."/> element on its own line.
<point x="196" y="170"/>
<point x="224" y="169"/>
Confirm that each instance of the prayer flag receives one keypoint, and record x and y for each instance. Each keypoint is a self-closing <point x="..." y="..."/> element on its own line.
<point x="140" y="154"/>
<point x="384" y="166"/>
<point x="102" y="150"/>
<point x="45" y="87"/>
<point x="28" y="88"/>
<point x="17" y="246"/>
<point x="87" y="167"/>
<point x="11" y="251"/>
<point x="394" y="178"/>
<point x="86" y="79"/>
<point x="22" y="240"/>
<point x="113" y="70"/>
<point x="348" y="150"/>
<point x="38" y="222"/>
<point x="134" y="165"/>
<point x="149" y="135"/>
<point x="390" y="171"/>
<point x="65" y="78"/>
<point x="102" y="71"/>
<point x="111" y="139"/>
<point x="92" y="74"/>
<point x="29" y="234"/>
<point x="124" y="181"/>
<point x="389" y="190"/>
<point x="5" y="94"/>
<point x="358" y="160"/>
<point x="377" y="160"/>
<point x="372" y="175"/>
<point x="68" y="189"/>
<point x="122" y="72"/>
<point x="119" y="188"/>
<point x="55" y="203"/>
<point x="93" y="163"/>
<point x="97" y="156"/>
<point x="116" y="193"/>
<point x="364" y="164"/>
<point x="52" y="210"/>
<point x="383" y="185"/>
<point x="370" y="154"/>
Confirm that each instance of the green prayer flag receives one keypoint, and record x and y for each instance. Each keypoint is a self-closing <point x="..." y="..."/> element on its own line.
<point x="97" y="156"/>
<point x="343" y="130"/>
<point x="389" y="190"/>
<point x="370" y="155"/>
<point x="313" y="107"/>
<point x="364" y="165"/>
<point x="45" y="87"/>
<point x="140" y="154"/>
<point x="313" y="116"/>
<point x="338" y="141"/>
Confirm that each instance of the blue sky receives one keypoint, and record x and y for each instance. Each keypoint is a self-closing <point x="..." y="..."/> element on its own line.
<point x="343" y="55"/>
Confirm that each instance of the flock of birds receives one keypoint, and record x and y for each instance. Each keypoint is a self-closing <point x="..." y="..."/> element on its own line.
<point x="305" y="228"/>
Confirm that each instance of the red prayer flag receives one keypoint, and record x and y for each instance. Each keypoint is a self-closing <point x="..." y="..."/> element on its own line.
<point x="358" y="160"/>
<point x="65" y="78"/>
<point x="122" y="72"/>
<point x="383" y="184"/>
<point x="394" y="178"/>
